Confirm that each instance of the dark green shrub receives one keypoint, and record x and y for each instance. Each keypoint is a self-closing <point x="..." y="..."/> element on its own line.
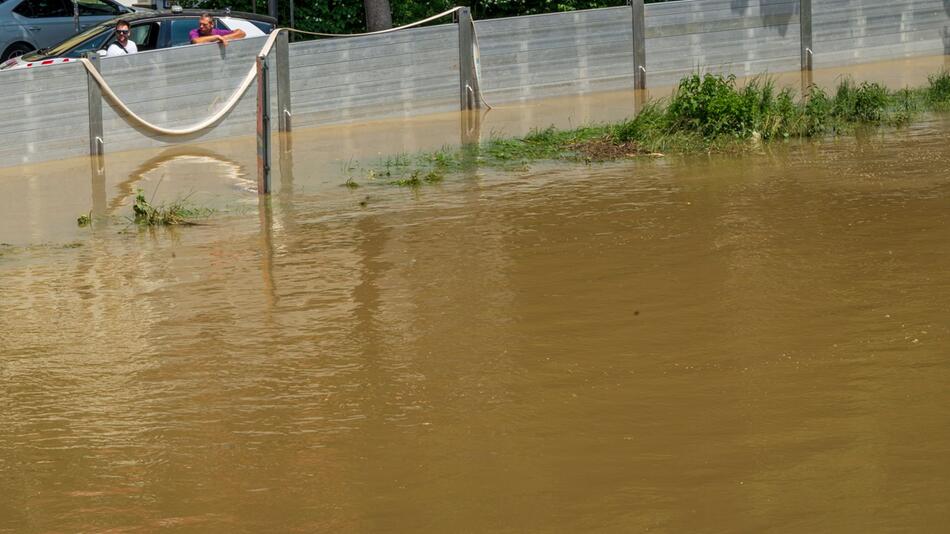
<point x="938" y="90"/>
<point x="866" y="102"/>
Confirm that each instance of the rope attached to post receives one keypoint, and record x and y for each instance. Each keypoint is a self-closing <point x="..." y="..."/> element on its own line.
<point x="197" y="127"/>
<point x="248" y="79"/>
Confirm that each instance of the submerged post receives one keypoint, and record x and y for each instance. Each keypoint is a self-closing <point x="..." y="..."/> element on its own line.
<point x="804" y="19"/>
<point x="283" y="82"/>
<point x="263" y="128"/>
<point x="95" y="110"/>
<point x="639" y="45"/>
<point x="468" y="75"/>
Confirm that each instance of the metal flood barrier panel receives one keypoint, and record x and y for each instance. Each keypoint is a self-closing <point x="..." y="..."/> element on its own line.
<point x="741" y="37"/>
<point x="860" y="31"/>
<point x="418" y="71"/>
<point x="45" y="114"/>
<point x="373" y="77"/>
<point x="555" y="54"/>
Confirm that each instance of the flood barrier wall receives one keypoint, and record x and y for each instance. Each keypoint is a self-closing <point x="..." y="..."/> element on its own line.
<point x="416" y="71"/>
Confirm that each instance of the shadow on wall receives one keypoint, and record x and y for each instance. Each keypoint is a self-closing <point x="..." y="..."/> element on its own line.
<point x="946" y="30"/>
<point x="776" y="14"/>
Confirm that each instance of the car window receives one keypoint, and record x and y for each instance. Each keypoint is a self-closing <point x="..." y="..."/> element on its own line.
<point x="98" y="8"/>
<point x="181" y="27"/>
<point x="90" y="45"/>
<point x="35" y="9"/>
<point x="265" y="27"/>
<point x="144" y="34"/>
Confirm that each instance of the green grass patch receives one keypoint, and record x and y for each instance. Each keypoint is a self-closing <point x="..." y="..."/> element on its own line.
<point x="176" y="213"/>
<point x="705" y="113"/>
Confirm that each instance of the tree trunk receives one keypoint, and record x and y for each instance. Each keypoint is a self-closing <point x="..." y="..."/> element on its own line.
<point x="378" y="15"/>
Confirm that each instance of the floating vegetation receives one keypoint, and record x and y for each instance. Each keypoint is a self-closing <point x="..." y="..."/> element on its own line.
<point x="84" y="219"/>
<point x="176" y="213"/>
<point x="705" y="113"/>
<point x="417" y="178"/>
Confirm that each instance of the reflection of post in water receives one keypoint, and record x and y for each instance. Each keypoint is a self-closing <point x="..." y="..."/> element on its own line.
<point x="470" y="129"/>
<point x="285" y="197"/>
<point x="286" y="162"/>
<point x="127" y="186"/>
<point x="266" y="216"/>
<point x="97" y="171"/>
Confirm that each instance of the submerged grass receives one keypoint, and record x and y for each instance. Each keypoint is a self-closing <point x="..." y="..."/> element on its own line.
<point x="705" y="113"/>
<point x="176" y="213"/>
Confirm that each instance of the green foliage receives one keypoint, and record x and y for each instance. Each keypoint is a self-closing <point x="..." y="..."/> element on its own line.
<point x="938" y="90"/>
<point x="714" y="107"/>
<point x="145" y="214"/>
<point x="84" y="220"/>
<point x="866" y="102"/>
<point x="705" y="113"/>
<point x="816" y="112"/>
<point x="338" y="16"/>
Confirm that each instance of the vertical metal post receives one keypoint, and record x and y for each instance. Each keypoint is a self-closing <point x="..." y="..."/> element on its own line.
<point x="804" y="19"/>
<point x="283" y="82"/>
<point x="468" y="77"/>
<point x="639" y="45"/>
<point x="291" y="17"/>
<point x="272" y="8"/>
<point x="75" y="16"/>
<point x="263" y="128"/>
<point x="95" y="110"/>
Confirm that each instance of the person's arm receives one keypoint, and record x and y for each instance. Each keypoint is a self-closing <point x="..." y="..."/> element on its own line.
<point x="236" y="34"/>
<point x="223" y="39"/>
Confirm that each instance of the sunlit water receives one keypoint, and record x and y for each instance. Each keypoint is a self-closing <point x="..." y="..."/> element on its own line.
<point x="712" y="343"/>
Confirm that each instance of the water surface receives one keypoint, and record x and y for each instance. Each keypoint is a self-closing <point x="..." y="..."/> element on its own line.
<point x="711" y="343"/>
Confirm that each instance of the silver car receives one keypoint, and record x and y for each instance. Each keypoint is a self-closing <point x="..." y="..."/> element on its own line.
<point x="27" y="25"/>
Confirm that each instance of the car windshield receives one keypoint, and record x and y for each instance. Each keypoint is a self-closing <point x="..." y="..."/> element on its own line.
<point x="67" y="45"/>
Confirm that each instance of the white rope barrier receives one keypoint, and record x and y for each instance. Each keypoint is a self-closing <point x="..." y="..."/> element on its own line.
<point x="248" y="79"/>
<point x="228" y="106"/>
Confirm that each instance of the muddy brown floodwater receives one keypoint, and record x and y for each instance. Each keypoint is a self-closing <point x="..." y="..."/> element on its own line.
<point x="709" y="343"/>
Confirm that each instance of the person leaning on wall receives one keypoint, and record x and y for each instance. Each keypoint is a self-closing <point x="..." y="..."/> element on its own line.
<point x="122" y="45"/>
<point x="207" y="33"/>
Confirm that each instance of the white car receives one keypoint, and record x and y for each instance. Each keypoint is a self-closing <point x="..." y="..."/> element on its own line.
<point x="28" y="25"/>
<point x="151" y="30"/>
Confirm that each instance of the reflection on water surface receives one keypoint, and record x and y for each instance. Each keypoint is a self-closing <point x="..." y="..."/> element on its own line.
<point x="703" y="343"/>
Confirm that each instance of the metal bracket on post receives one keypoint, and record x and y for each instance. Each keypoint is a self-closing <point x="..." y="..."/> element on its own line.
<point x="639" y="45"/>
<point x="283" y="82"/>
<point x="468" y="77"/>
<point x="263" y="128"/>
<point x="95" y="110"/>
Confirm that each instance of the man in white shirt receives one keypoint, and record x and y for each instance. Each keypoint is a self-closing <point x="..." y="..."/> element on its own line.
<point x="122" y="45"/>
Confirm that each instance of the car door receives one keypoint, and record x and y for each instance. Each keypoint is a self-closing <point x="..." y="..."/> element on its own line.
<point x="47" y="22"/>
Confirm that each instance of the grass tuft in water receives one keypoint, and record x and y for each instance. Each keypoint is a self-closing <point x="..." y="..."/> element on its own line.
<point x="176" y="213"/>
